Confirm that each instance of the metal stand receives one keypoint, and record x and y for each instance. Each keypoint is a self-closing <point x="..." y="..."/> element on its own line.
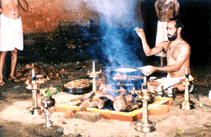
<point x="94" y="85"/>
<point x="186" y="104"/>
<point x="34" y="110"/>
<point x="48" y="123"/>
<point x="160" y="90"/>
<point x="145" y="125"/>
<point x="47" y="103"/>
<point x="170" y="92"/>
<point x="47" y="128"/>
<point x="94" y="75"/>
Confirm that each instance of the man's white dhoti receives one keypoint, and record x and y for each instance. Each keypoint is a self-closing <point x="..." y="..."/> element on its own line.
<point x="167" y="82"/>
<point x="161" y="35"/>
<point x="11" y="34"/>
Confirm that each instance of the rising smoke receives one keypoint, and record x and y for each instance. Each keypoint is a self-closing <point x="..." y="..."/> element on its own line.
<point x="119" y="42"/>
<point x="117" y="12"/>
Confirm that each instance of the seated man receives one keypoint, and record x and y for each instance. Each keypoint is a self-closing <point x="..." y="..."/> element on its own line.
<point x="177" y="55"/>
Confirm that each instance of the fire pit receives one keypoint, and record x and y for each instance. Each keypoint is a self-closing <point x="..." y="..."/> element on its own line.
<point x="116" y="98"/>
<point x="159" y="107"/>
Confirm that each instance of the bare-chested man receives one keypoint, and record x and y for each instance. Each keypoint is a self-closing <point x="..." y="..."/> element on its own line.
<point x="11" y="33"/>
<point x="165" y="10"/>
<point x="177" y="54"/>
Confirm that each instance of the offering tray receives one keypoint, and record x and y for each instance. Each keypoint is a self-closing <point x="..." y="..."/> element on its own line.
<point x="79" y="86"/>
<point x="126" y="70"/>
<point x="159" y="107"/>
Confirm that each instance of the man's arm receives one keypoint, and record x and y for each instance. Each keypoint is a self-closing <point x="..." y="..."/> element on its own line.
<point x="182" y="57"/>
<point x="156" y="8"/>
<point x="0" y="7"/>
<point x="176" y="7"/>
<point x="147" y="50"/>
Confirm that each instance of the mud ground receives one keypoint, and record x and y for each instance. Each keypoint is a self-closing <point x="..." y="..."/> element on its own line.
<point x="16" y="121"/>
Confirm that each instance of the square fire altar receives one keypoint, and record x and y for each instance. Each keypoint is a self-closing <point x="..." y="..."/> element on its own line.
<point x="160" y="106"/>
<point x="125" y="80"/>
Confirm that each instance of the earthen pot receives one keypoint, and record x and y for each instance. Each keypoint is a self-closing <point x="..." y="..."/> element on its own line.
<point x="48" y="102"/>
<point x="120" y="103"/>
<point x="93" y="104"/>
<point x="101" y="104"/>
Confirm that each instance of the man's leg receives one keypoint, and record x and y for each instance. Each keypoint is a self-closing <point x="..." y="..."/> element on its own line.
<point x="2" y="58"/>
<point x="13" y="63"/>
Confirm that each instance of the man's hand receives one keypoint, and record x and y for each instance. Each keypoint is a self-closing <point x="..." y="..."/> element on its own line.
<point x="147" y="50"/>
<point x="140" y="33"/>
<point x="148" y="70"/>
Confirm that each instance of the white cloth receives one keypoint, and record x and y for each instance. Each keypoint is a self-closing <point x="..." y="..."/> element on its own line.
<point x="11" y="34"/>
<point x="168" y="1"/>
<point x="167" y="82"/>
<point x="161" y="35"/>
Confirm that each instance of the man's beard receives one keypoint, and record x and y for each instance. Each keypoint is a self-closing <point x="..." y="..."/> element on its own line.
<point x="172" y="38"/>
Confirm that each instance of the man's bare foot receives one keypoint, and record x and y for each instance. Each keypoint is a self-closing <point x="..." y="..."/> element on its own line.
<point x="1" y="82"/>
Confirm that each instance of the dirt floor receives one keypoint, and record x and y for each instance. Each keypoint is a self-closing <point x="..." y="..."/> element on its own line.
<point x="16" y="121"/>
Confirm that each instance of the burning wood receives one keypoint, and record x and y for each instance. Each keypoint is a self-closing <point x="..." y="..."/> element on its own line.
<point x="125" y="101"/>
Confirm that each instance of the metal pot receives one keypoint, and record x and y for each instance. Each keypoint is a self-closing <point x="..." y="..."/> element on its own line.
<point x="78" y="90"/>
<point x="48" y="102"/>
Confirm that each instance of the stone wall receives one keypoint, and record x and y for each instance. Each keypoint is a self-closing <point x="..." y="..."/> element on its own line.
<point x="56" y="30"/>
<point x="45" y="15"/>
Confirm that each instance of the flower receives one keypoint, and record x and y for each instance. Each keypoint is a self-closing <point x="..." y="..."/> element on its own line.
<point x="49" y="91"/>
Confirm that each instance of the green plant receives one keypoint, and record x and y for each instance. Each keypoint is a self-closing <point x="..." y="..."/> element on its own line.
<point x="49" y="92"/>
